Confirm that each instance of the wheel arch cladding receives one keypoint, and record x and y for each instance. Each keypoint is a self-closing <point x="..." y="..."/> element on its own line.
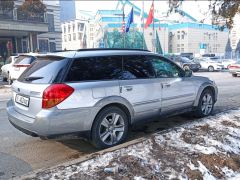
<point x="203" y="88"/>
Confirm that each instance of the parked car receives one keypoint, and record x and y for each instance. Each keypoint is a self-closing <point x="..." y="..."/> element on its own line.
<point x="211" y="64"/>
<point x="5" y="68"/>
<point x="99" y="93"/>
<point x="21" y="63"/>
<point x="227" y="62"/>
<point x="234" y="69"/>
<point x="186" y="63"/>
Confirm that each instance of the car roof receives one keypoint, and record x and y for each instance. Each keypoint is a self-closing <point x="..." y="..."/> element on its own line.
<point x="100" y="52"/>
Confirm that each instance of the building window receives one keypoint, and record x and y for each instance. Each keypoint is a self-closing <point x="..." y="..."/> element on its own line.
<point x="69" y="28"/>
<point x="182" y="45"/>
<point x="178" y="50"/>
<point x="182" y="49"/>
<point x="79" y="36"/>
<point x="178" y="45"/>
<point x="91" y="38"/>
<point x="80" y="26"/>
<point x="91" y="29"/>
<point x="65" y="38"/>
<point x="73" y="26"/>
<point x="64" y="29"/>
<point x="178" y="36"/>
<point x="52" y="46"/>
<point x="51" y="27"/>
<point x="69" y="37"/>
<point x="74" y="36"/>
<point x="43" y="45"/>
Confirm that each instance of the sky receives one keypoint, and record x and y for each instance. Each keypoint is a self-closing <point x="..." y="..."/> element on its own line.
<point x="194" y="8"/>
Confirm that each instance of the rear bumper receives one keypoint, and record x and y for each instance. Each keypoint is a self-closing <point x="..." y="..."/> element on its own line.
<point x="234" y="71"/>
<point x="53" y="123"/>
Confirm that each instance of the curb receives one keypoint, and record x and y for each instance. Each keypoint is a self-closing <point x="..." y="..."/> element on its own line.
<point x="32" y="175"/>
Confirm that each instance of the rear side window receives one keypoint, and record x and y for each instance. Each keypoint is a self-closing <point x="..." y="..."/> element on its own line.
<point x="24" y="60"/>
<point x="45" y="70"/>
<point x="95" y="68"/>
<point x="137" y="67"/>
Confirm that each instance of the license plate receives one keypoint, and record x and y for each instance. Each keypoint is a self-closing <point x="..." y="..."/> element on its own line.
<point x="22" y="100"/>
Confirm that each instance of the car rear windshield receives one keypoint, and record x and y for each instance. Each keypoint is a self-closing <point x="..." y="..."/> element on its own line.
<point x="24" y="60"/>
<point x="45" y="70"/>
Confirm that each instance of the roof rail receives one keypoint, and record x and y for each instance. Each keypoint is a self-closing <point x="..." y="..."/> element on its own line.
<point x="125" y="49"/>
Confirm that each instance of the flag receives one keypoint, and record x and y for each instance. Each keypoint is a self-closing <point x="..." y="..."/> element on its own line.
<point x="150" y="16"/>
<point x="130" y="21"/>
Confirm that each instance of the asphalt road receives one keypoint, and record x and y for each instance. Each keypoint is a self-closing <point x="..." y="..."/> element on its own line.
<point x="20" y="153"/>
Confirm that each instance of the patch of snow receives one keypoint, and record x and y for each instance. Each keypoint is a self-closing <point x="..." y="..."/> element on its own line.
<point x="230" y="174"/>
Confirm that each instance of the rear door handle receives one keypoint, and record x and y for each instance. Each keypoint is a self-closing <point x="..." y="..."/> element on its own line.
<point x="128" y="88"/>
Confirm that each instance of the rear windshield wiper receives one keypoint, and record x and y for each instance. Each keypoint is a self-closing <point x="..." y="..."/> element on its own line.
<point x="32" y="78"/>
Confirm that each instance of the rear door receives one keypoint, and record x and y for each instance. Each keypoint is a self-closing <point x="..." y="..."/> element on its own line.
<point x="139" y="85"/>
<point x="28" y="89"/>
<point x="178" y="92"/>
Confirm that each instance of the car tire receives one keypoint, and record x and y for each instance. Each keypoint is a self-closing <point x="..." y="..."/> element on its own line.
<point x="234" y="75"/>
<point x="210" y="69"/>
<point x="110" y="128"/>
<point x="5" y="79"/>
<point x="186" y="67"/>
<point x="205" y="104"/>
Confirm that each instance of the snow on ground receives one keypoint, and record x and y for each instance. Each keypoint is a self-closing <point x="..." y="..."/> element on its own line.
<point x="205" y="149"/>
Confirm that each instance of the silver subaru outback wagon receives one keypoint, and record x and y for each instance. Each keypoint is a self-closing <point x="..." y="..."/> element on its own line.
<point x="98" y="94"/>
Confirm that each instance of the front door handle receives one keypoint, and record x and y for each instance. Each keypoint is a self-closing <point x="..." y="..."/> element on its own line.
<point x="128" y="88"/>
<point x="166" y="85"/>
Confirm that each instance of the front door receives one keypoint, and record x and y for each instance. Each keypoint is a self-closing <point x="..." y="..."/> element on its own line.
<point x="139" y="86"/>
<point x="178" y="92"/>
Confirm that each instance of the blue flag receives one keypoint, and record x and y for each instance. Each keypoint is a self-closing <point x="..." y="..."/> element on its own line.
<point x="130" y="21"/>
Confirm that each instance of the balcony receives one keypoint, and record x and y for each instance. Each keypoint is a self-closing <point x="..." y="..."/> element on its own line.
<point x="13" y="21"/>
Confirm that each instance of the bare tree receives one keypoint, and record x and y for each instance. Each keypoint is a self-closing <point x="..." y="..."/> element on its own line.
<point x="222" y="11"/>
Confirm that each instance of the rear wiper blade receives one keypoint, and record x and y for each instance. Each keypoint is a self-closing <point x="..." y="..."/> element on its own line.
<point x="32" y="78"/>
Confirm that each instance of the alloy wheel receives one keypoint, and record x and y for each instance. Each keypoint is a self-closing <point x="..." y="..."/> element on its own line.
<point x="207" y="104"/>
<point x="111" y="129"/>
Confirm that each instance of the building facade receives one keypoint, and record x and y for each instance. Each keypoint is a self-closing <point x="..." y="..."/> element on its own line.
<point x="197" y="38"/>
<point x="21" y="35"/>
<point x="78" y="33"/>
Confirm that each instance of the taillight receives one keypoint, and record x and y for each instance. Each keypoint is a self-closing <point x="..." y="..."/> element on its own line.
<point x="55" y="94"/>
<point x="234" y="66"/>
<point x="21" y="65"/>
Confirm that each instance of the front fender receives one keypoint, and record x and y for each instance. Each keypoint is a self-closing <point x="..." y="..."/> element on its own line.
<point x="201" y="89"/>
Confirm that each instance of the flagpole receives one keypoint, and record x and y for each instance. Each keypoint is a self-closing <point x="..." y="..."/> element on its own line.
<point x="143" y="23"/>
<point x="153" y="29"/>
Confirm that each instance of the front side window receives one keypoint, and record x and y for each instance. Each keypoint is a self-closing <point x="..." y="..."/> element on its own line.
<point x="95" y="68"/>
<point x="137" y="67"/>
<point x="165" y="69"/>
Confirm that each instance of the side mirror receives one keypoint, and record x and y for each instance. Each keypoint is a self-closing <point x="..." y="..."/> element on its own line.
<point x="188" y="73"/>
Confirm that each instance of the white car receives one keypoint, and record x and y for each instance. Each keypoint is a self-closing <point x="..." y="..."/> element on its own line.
<point x="211" y="64"/>
<point x="21" y="63"/>
<point x="227" y="62"/>
<point x="5" y="68"/>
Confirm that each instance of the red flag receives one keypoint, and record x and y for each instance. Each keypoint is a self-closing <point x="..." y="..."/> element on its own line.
<point x="150" y="16"/>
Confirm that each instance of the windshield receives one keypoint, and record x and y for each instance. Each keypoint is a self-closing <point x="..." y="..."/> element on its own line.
<point x="45" y="70"/>
<point x="186" y="60"/>
<point x="24" y="60"/>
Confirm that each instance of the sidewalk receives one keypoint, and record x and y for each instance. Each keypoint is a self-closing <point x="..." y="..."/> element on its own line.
<point x="204" y="149"/>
